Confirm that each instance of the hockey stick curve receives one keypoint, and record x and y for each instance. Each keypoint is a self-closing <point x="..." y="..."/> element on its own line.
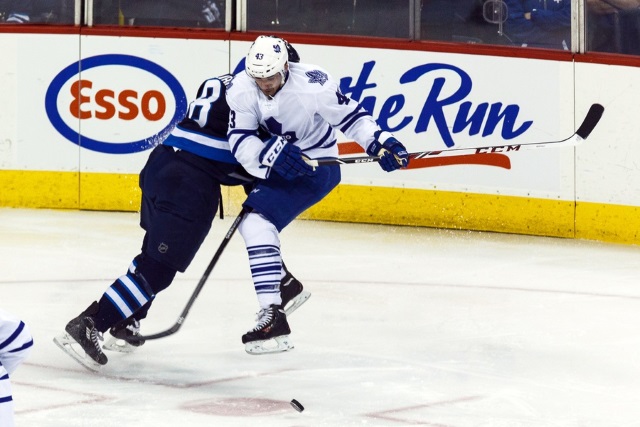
<point x="584" y="130"/>
<point x="176" y="326"/>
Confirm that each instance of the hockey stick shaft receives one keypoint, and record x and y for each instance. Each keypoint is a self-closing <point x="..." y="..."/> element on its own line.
<point x="176" y="326"/>
<point x="584" y="130"/>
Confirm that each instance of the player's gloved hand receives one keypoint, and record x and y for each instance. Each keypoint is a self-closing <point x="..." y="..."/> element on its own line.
<point x="285" y="159"/>
<point x="393" y="155"/>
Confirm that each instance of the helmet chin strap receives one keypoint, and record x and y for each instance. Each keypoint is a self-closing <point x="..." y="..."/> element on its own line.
<point x="284" y="74"/>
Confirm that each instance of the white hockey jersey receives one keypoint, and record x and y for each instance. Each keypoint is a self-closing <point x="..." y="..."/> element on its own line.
<point x="307" y="111"/>
<point x="15" y="345"/>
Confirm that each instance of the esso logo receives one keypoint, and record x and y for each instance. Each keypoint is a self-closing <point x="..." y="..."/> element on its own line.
<point x="108" y="101"/>
<point x="121" y="103"/>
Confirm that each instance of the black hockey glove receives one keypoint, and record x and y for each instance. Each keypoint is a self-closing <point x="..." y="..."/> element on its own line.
<point x="284" y="158"/>
<point x="393" y="155"/>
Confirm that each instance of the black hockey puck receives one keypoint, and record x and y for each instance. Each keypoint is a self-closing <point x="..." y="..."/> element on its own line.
<point x="297" y="405"/>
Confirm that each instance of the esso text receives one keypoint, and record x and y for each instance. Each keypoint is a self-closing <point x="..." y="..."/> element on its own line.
<point x="105" y="104"/>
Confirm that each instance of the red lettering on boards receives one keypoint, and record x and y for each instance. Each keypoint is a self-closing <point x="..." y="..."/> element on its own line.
<point x="104" y="104"/>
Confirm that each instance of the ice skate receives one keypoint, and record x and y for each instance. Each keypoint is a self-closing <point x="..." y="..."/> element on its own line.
<point x="271" y="333"/>
<point x="81" y="341"/>
<point x="292" y="293"/>
<point x="121" y="334"/>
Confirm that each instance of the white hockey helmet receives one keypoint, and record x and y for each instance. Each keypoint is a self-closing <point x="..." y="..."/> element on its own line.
<point x="267" y="57"/>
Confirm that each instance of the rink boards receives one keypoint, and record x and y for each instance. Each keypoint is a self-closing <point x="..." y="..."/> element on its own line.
<point x="81" y="112"/>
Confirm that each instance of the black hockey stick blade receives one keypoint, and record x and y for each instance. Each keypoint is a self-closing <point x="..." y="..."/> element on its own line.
<point x="176" y="326"/>
<point x="590" y="121"/>
<point x="588" y="124"/>
<point x="172" y="330"/>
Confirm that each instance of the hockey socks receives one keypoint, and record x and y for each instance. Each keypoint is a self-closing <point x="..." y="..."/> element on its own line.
<point x="263" y="247"/>
<point x="133" y="292"/>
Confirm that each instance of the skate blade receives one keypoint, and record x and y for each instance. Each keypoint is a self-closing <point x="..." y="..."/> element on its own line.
<point x="65" y="342"/>
<point x="275" y="345"/>
<point x="296" y="302"/>
<point x="121" y="346"/>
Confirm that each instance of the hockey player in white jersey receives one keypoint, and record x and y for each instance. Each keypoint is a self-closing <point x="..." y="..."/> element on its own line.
<point x="15" y="345"/>
<point x="302" y="108"/>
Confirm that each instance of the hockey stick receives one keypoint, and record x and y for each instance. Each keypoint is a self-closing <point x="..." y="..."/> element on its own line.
<point x="172" y="330"/>
<point x="588" y="124"/>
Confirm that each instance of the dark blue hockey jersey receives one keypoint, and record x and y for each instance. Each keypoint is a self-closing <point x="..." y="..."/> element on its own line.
<point x="203" y="131"/>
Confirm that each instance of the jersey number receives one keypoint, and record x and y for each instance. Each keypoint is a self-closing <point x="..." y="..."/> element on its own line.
<point x="199" y="108"/>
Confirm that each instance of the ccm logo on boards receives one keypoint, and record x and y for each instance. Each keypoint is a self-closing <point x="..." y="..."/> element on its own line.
<point x="120" y="103"/>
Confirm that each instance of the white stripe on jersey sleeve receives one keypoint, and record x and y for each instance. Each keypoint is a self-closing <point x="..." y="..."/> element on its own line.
<point x="209" y="141"/>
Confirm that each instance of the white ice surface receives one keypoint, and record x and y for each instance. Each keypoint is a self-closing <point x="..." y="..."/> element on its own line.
<point x="405" y="327"/>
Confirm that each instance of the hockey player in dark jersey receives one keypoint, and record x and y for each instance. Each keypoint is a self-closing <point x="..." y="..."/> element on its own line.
<point x="180" y="196"/>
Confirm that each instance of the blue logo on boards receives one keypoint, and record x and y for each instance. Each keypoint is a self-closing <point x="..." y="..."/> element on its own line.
<point x="51" y="103"/>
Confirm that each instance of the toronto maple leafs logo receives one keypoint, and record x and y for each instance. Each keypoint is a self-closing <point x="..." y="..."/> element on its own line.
<point x="276" y="48"/>
<point x="317" y="76"/>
